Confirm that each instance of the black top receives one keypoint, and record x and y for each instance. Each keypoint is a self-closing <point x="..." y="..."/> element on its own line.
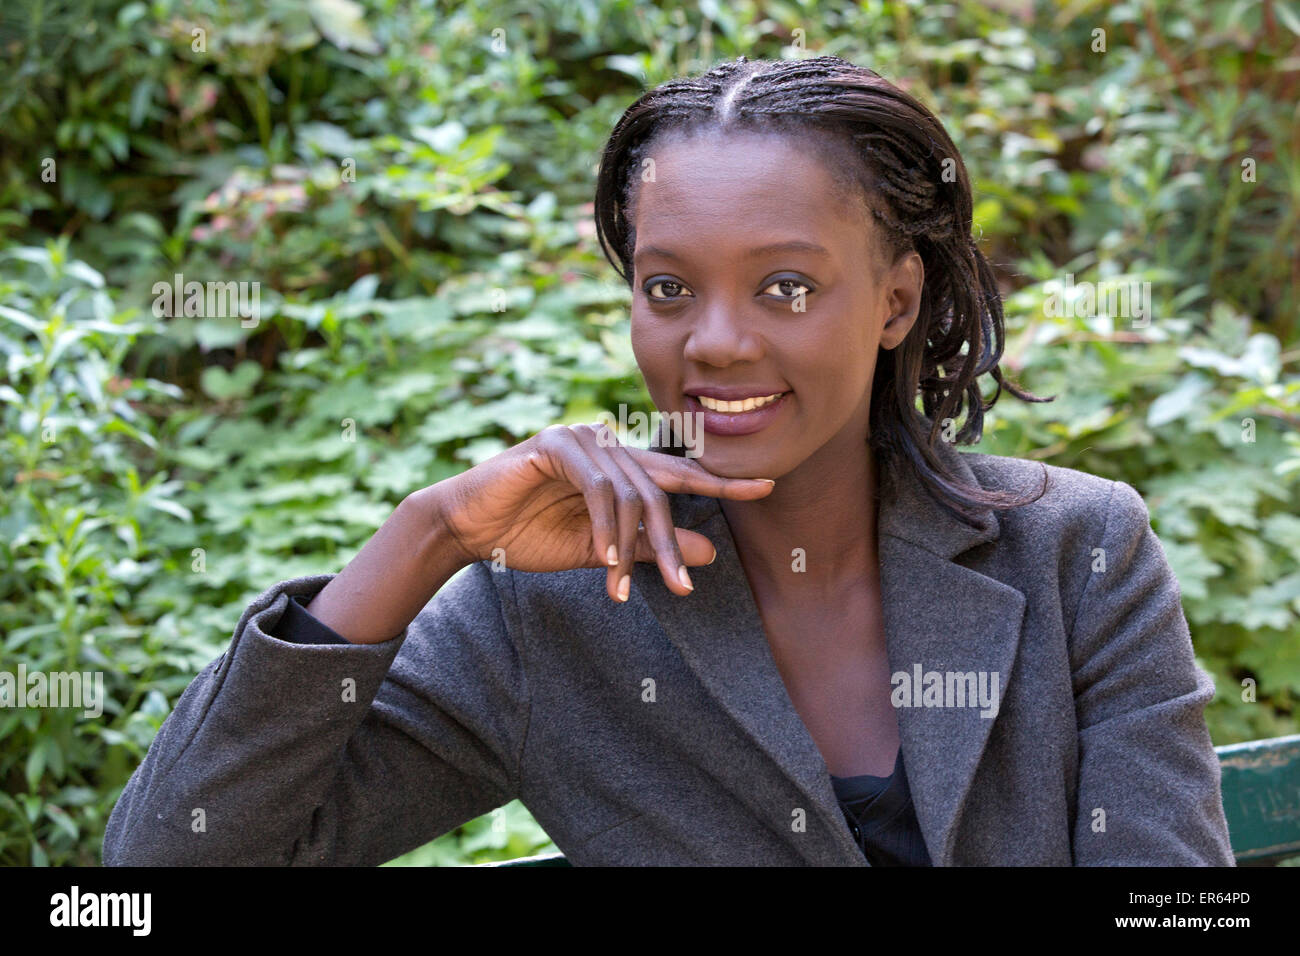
<point x="878" y="810"/>
<point x="881" y="817"/>
<point x="297" y="626"/>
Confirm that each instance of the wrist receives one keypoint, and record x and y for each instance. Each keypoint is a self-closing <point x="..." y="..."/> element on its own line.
<point x="429" y="508"/>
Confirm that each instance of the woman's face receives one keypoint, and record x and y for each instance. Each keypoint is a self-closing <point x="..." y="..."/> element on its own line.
<point x="754" y="275"/>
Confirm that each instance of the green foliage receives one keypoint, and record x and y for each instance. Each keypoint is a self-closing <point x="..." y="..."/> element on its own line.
<point x="76" y="548"/>
<point x="506" y="833"/>
<point x="1204" y="425"/>
<point x="410" y="184"/>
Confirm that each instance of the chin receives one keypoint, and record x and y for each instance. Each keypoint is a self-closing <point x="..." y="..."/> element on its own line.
<point x="738" y="464"/>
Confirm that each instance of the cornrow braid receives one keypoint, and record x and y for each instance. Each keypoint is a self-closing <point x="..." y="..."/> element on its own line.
<point x="896" y="156"/>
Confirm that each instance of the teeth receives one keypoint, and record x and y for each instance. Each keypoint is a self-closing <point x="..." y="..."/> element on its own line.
<point x="714" y="405"/>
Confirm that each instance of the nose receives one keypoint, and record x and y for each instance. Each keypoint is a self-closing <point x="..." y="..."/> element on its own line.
<point x="721" y="335"/>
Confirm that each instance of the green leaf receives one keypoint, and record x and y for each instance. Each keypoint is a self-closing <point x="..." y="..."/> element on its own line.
<point x="441" y="139"/>
<point x="35" y="764"/>
<point x="212" y="334"/>
<point x="62" y="821"/>
<point x="1289" y="17"/>
<point x="341" y="22"/>
<point x="223" y="385"/>
<point x="21" y="318"/>
<point x="1177" y="403"/>
<point x="84" y="273"/>
<point x="141" y="99"/>
<point x="172" y="508"/>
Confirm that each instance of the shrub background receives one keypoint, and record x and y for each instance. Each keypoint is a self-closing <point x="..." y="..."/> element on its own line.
<point x="392" y="173"/>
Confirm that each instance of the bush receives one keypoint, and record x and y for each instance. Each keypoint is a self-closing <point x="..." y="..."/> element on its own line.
<point x="76" y="551"/>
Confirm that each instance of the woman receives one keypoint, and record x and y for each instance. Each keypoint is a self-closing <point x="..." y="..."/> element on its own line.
<point x="885" y="651"/>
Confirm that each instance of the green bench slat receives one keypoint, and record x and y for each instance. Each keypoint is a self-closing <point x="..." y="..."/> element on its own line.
<point x="1261" y="799"/>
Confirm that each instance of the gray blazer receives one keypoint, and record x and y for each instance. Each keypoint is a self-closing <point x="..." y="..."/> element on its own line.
<point x="660" y="732"/>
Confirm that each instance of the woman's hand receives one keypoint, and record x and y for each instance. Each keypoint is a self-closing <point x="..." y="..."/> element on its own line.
<point x="573" y="497"/>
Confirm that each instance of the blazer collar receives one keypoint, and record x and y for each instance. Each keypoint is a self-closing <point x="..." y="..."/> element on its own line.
<point x="907" y="512"/>
<point x="938" y="615"/>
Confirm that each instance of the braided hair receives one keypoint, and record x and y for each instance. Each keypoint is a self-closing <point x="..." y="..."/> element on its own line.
<point x="901" y="164"/>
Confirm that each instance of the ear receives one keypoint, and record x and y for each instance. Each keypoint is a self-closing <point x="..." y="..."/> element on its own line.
<point x="902" y="286"/>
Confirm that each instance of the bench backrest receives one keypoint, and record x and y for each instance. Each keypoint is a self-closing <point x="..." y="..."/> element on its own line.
<point x="1261" y="798"/>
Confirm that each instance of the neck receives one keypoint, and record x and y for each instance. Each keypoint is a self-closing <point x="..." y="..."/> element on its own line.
<point x="827" y="508"/>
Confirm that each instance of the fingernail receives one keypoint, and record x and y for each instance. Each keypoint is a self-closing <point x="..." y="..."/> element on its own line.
<point x="684" y="578"/>
<point x="768" y="480"/>
<point x="715" y="556"/>
<point x="611" y="555"/>
<point x="624" y="587"/>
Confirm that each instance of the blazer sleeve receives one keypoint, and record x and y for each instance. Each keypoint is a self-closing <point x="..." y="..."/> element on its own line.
<point x="282" y="753"/>
<point x="1145" y="757"/>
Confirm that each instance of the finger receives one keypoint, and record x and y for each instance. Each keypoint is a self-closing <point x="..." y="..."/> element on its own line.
<point x="696" y="549"/>
<point x="603" y="448"/>
<point x="601" y="443"/>
<point x="628" y="506"/>
<point x="689" y="477"/>
<point x="658" y="520"/>
<point x="563" y="457"/>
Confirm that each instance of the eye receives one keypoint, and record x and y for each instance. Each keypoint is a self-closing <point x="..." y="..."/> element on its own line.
<point x="670" y="288"/>
<point x="788" y="288"/>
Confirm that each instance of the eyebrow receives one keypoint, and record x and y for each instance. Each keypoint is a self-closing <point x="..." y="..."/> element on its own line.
<point x="792" y="245"/>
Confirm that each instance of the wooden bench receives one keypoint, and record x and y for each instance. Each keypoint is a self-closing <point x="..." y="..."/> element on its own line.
<point x="1261" y="799"/>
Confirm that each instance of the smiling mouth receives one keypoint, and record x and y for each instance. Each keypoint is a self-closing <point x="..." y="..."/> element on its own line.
<point x="743" y="405"/>
<point x="739" y="416"/>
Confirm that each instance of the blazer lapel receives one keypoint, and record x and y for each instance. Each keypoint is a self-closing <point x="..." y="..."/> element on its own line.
<point x="723" y="643"/>
<point x="937" y="614"/>
<point x="942" y="617"/>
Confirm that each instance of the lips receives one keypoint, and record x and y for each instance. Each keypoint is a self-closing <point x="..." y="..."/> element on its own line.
<point x="738" y="413"/>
